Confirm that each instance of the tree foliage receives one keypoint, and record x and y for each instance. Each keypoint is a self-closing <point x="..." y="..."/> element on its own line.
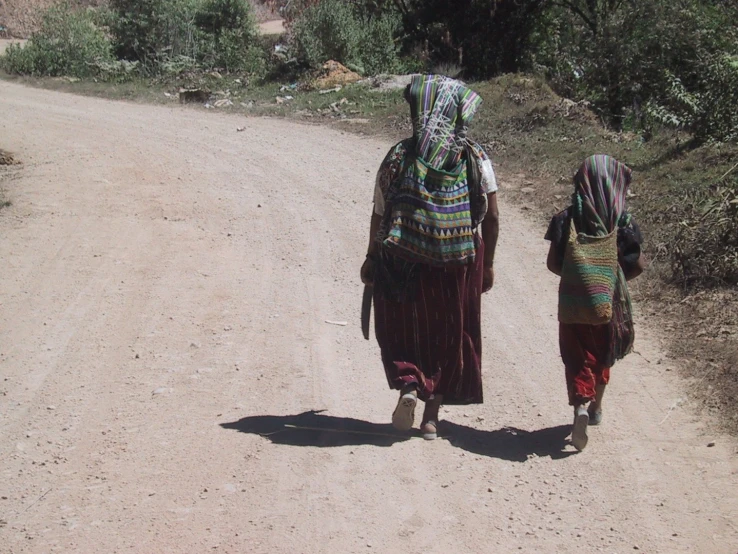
<point x="643" y="62"/>
<point x="363" y="37"/>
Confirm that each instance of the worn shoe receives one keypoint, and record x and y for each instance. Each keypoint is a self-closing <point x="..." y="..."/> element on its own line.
<point x="579" y="432"/>
<point x="429" y="429"/>
<point x="595" y="417"/>
<point x="403" y="417"/>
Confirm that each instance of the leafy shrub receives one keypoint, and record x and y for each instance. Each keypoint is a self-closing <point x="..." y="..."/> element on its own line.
<point x="719" y="100"/>
<point x="164" y="34"/>
<point x="69" y="42"/>
<point x="377" y="47"/>
<point x="229" y="35"/>
<point x="337" y="30"/>
<point x="152" y="30"/>
<point x="328" y="30"/>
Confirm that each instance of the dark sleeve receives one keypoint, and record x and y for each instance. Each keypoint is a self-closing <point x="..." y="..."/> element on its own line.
<point x="630" y="240"/>
<point x="558" y="233"/>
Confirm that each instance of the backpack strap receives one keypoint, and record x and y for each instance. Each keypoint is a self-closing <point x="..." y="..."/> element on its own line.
<point x="474" y="178"/>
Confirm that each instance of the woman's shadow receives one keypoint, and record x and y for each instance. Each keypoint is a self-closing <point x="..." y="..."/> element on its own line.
<point x="315" y="429"/>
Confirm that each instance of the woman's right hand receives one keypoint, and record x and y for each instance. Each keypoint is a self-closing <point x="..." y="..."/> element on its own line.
<point x="367" y="272"/>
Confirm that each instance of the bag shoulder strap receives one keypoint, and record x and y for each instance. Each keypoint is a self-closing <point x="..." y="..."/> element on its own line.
<point x="474" y="178"/>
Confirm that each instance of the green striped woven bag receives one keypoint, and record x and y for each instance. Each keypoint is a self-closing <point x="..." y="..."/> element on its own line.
<point x="588" y="278"/>
<point x="431" y="221"/>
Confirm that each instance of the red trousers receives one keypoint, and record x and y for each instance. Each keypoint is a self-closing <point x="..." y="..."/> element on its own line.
<point x="583" y="347"/>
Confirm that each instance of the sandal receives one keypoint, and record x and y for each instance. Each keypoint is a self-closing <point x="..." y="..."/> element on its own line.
<point x="403" y="417"/>
<point x="429" y="429"/>
<point x="579" y="432"/>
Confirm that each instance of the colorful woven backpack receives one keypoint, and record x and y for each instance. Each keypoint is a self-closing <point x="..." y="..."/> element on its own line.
<point x="433" y="214"/>
<point x="588" y="278"/>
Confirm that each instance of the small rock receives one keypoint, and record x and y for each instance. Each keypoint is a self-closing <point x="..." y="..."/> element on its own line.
<point x="160" y="390"/>
<point x="710" y="444"/>
<point x="337" y="323"/>
<point x="51" y="408"/>
<point x="528" y="190"/>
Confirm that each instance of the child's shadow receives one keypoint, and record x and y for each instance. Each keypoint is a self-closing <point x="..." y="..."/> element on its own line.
<point x="509" y="443"/>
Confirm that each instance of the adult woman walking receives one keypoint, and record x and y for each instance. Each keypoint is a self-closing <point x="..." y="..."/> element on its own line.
<point x="427" y="261"/>
<point x="597" y="216"/>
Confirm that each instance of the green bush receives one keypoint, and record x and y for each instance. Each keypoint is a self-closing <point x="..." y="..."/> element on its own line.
<point x="164" y="34"/>
<point x="68" y="43"/>
<point x="150" y="31"/>
<point x="336" y="30"/>
<point x="377" y="47"/>
<point x="719" y="100"/>
<point x="229" y="36"/>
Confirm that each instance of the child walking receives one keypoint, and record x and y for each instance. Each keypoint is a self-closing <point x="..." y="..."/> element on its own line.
<point x="595" y="249"/>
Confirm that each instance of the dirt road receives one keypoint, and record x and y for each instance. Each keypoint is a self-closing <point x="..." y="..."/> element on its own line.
<point x="165" y="283"/>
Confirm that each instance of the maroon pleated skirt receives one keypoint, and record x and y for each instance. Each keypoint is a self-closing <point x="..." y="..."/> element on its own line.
<point x="435" y="340"/>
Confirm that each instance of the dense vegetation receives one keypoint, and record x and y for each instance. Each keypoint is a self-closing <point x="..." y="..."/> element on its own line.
<point x="141" y="36"/>
<point x="640" y="63"/>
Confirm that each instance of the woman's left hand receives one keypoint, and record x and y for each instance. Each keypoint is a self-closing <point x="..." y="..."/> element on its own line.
<point x="488" y="279"/>
<point x="367" y="272"/>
